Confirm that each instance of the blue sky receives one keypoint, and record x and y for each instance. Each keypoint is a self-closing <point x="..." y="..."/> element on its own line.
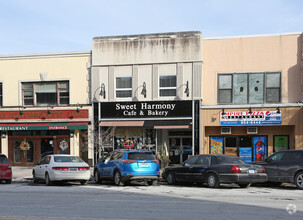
<point x="46" y="26"/>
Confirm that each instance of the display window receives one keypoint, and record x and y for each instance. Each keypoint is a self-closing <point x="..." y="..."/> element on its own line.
<point x="248" y="148"/>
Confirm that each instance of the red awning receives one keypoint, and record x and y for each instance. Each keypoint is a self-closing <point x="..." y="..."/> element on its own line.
<point x="121" y="123"/>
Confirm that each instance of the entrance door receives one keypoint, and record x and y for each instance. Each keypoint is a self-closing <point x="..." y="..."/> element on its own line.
<point x="47" y="147"/>
<point x="179" y="149"/>
<point x="23" y="152"/>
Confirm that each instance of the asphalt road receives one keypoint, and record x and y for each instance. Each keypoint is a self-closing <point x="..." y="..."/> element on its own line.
<point x="139" y="201"/>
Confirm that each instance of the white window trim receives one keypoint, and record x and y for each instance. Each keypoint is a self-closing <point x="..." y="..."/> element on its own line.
<point x="123" y="89"/>
<point x="167" y="88"/>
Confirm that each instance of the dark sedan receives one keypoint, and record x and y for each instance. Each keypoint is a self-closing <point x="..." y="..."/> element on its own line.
<point x="284" y="167"/>
<point x="215" y="169"/>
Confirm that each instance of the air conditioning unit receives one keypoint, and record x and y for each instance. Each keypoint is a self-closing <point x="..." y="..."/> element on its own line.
<point x="252" y="130"/>
<point x="225" y="130"/>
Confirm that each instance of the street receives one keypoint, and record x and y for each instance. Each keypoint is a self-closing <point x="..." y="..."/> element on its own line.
<point x="138" y="201"/>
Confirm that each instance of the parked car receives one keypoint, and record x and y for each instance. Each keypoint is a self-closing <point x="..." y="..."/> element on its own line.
<point x="284" y="167"/>
<point x="214" y="169"/>
<point x="5" y="169"/>
<point x="123" y="166"/>
<point x="61" y="167"/>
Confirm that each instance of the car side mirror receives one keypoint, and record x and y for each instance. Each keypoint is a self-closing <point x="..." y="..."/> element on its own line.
<point x="268" y="160"/>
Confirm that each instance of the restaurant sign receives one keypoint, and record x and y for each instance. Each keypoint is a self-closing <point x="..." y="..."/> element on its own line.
<point x="35" y="114"/>
<point x="253" y="118"/>
<point x="156" y="109"/>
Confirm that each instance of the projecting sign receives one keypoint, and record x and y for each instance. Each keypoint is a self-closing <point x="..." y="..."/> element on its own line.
<point x="253" y="118"/>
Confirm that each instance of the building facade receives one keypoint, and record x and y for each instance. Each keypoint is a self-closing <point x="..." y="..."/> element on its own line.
<point x="45" y="106"/>
<point x="146" y="90"/>
<point x="252" y="95"/>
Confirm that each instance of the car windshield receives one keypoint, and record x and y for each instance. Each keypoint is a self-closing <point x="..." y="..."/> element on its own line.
<point x="3" y="159"/>
<point x="229" y="160"/>
<point x="67" y="159"/>
<point x="141" y="156"/>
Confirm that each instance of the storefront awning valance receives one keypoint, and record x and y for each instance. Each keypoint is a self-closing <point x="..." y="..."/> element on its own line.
<point x="121" y="123"/>
<point x="43" y="126"/>
<point x="156" y="124"/>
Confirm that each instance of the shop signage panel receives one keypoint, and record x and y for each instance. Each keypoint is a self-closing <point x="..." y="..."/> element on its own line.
<point x="44" y="126"/>
<point x="245" y="153"/>
<point x="54" y="114"/>
<point x="157" y="109"/>
<point x="254" y="118"/>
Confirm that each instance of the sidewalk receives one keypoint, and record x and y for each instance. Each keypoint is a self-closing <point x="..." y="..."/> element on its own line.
<point x="22" y="173"/>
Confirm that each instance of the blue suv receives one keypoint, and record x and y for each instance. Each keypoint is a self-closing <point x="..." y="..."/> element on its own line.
<point x="123" y="166"/>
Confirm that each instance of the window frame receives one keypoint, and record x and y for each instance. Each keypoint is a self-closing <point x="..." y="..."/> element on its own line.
<point x="124" y="89"/>
<point x="167" y="88"/>
<point x="34" y="96"/>
<point x="265" y="88"/>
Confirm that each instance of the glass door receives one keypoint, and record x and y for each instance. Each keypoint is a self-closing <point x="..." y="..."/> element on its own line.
<point x="23" y="152"/>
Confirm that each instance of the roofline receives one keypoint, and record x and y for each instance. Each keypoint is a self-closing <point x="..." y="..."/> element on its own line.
<point x="149" y="35"/>
<point x="45" y="55"/>
<point x="249" y="36"/>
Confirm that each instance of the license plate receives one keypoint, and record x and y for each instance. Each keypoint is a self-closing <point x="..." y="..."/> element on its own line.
<point x="251" y="171"/>
<point x="144" y="164"/>
<point x="73" y="168"/>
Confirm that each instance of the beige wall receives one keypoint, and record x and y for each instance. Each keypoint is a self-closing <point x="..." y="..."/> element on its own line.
<point x="14" y="70"/>
<point x="253" y="54"/>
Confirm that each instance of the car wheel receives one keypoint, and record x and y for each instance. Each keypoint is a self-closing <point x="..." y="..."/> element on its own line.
<point x="213" y="181"/>
<point x="246" y="185"/>
<point x="170" y="179"/>
<point x="117" y="179"/>
<point x="152" y="182"/>
<point x="8" y="181"/>
<point x="97" y="177"/>
<point x="35" y="180"/>
<point x="47" y="180"/>
<point x="299" y="180"/>
<point x="83" y="182"/>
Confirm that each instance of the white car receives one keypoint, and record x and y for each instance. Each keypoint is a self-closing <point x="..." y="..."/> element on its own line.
<point x="61" y="167"/>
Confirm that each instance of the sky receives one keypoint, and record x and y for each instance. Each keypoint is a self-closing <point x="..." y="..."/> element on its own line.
<point x="50" y="26"/>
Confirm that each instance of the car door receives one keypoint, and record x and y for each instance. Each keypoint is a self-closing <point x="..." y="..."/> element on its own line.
<point x="199" y="169"/>
<point x="184" y="173"/>
<point x="42" y="167"/>
<point x="271" y="166"/>
<point x="103" y="165"/>
<point x="288" y="166"/>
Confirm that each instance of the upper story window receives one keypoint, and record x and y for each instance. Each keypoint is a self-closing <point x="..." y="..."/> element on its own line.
<point x="45" y="93"/>
<point x="168" y="85"/>
<point x="249" y="88"/>
<point x="124" y="87"/>
<point x="1" y="95"/>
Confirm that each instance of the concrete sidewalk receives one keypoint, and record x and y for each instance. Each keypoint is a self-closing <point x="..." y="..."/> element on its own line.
<point x="22" y="173"/>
